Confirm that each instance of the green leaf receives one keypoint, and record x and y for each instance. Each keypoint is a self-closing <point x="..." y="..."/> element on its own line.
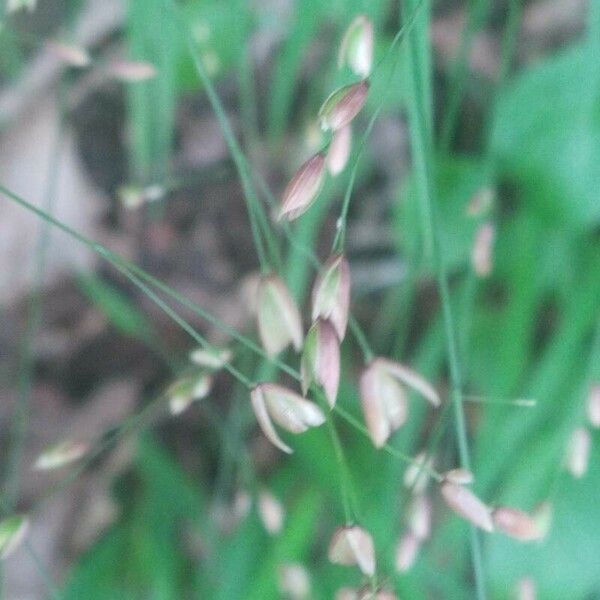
<point x="547" y="137"/>
<point x="12" y="532"/>
<point x="117" y="307"/>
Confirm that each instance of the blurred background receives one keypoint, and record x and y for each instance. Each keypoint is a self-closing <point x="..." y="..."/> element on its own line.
<point x="105" y="125"/>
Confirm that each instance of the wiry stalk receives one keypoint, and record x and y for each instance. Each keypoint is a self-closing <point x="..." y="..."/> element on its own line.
<point x="422" y="146"/>
<point x="34" y="314"/>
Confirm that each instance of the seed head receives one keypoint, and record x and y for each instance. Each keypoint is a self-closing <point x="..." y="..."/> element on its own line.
<point x="331" y="294"/>
<point x="543" y="514"/>
<point x="407" y="552"/>
<point x="12" y="532"/>
<point x="279" y="321"/>
<point x="465" y="503"/>
<point x="211" y="358"/>
<point x="526" y="589"/>
<point x="356" y="49"/>
<point x="516" y="523"/>
<point x="320" y="361"/>
<point x="339" y="150"/>
<point x="593" y="405"/>
<point x="271" y="512"/>
<point x="416" y="476"/>
<point x="352" y="545"/>
<point x="131" y="71"/>
<point x="383" y="396"/>
<point x="578" y="452"/>
<point x="340" y="108"/>
<point x="183" y="392"/>
<point x="383" y="401"/>
<point x="294" y="581"/>
<point x="419" y="517"/>
<point x="303" y="188"/>
<point x="74" y="56"/>
<point x="288" y="409"/>
<point x="60" y="455"/>
<point x="481" y="256"/>
<point x="459" y="476"/>
<point x="481" y="202"/>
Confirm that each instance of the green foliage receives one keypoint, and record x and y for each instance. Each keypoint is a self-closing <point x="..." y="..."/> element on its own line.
<point x="530" y="330"/>
<point x="547" y="136"/>
<point x="119" y="309"/>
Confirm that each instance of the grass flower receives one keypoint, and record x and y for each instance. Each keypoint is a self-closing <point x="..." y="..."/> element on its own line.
<point x="331" y="294"/>
<point x="273" y="402"/>
<point x="131" y="71"/>
<point x="339" y="150"/>
<point x="279" y="321"/>
<point x="303" y="188"/>
<point x="60" y="455"/>
<point x="516" y="523"/>
<point x="213" y="359"/>
<point x="356" y="49"/>
<point x="593" y="405"/>
<point x="186" y="390"/>
<point x="407" y="551"/>
<point x="341" y="106"/>
<point x="271" y="512"/>
<point x="74" y="56"/>
<point x="466" y="504"/>
<point x="383" y="396"/>
<point x="321" y="360"/>
<point x="352" y="545"/>
<point x="578" y="452"/>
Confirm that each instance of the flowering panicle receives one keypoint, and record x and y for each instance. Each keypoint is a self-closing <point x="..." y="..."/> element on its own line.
<point x="481" y="255"/>
<point x="578" y="452"/>
<point x="383" y="396"/>
<point x="131" y="71"/>
<point x="60" y="455"/>
<point x="279" y="320"/>
<point x="419" y="529"/>
<point x="356" y="49"/>
<point x="465" y="503"/>
<point x="184" y="391"/>
<point x="303" y="188"/>
<point x="273" y="402"/>
<point x="294" y="581"/>
<point x="271" y="512"/>
<point x="321" y="360"/>
<point x="211" y="358"/>
<point x="416" y="476"/>
<point x="352" y="545"/>
<point x="339" y="150"/>
<point x="74" y="56"/>
<point x="593" y="405"/>
<point x="342" y="105"/>
<point x="515" y="523"/>
<point x="331" y="294"/>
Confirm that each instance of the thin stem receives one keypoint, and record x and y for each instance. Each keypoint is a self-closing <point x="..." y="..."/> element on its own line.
<point x="352" y="421"/>
<point x="136" y="272"/>
<point x="180" y="321"/>
<point x="421" y="132"/>
<point x="339" y="239"/>
<point x="459" y="75"/>
<point x="253" y="205"/>
<point x="339" y="455"/>
<point x="134" y="269"/>
<point x="34" y="315"/>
